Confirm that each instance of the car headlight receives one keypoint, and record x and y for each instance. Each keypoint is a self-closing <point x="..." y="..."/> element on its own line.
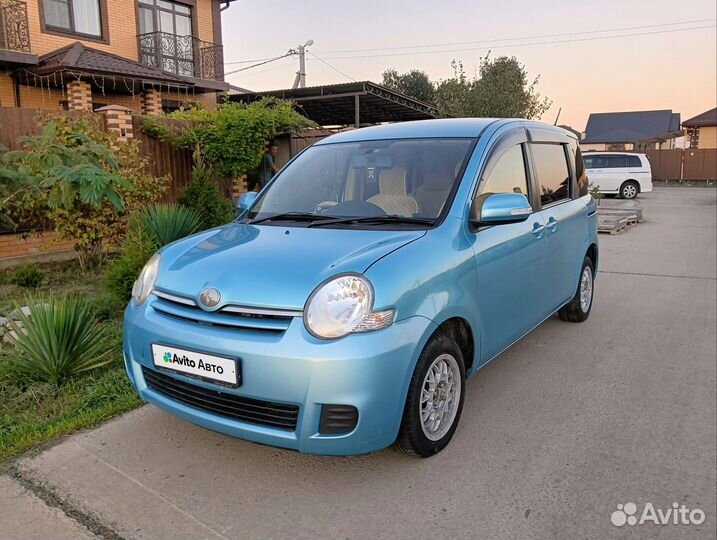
<point x="344" y="305"/>
<point x="145" y="282"/>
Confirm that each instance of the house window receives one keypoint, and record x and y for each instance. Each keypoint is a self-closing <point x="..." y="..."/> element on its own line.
<point x="166" y="35"/>
<point x="74" y="16"/>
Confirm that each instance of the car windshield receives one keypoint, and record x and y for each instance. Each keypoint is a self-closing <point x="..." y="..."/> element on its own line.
<point x="410" y="180"/>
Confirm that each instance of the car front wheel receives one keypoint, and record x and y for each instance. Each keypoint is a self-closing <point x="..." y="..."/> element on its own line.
<point x="435" y="399"/>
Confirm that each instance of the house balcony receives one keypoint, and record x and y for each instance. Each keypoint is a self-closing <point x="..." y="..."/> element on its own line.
<point x="14" y="30"/>
<point x="188" y="56"/>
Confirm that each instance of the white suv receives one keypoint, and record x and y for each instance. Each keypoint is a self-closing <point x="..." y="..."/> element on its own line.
<point x="623" y="173"/>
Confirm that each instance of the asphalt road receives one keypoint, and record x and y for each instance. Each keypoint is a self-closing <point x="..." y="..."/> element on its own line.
<point x="566" y="425"/>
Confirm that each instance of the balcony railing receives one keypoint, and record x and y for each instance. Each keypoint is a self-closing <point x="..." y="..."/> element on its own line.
<point x="14" y="32"/>
<point x="182" y="55"/>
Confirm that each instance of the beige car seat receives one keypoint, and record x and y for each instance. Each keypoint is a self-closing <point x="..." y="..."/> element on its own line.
<point x="392" y="197"/>
<point x="432" y="194"/>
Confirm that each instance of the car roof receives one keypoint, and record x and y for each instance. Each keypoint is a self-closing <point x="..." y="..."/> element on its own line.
<point x="616" y="153"/>
<point x="439" y="128"/>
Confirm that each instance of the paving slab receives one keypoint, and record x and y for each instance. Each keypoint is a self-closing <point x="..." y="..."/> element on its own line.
<point x="566" y="425"/>
<point x="26" y="517"/>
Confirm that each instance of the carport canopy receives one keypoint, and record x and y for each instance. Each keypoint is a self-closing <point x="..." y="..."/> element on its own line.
<point x="355" y="103"/>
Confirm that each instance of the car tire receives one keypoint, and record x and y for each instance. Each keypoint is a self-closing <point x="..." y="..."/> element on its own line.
<point x="429" y="422"/>
<point x="629" y="190"/>
<point x="578" y="309"/>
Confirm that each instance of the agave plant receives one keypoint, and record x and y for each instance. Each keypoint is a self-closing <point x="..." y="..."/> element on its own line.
<point x="166" y="223"/>
<point x="58" y="339"/>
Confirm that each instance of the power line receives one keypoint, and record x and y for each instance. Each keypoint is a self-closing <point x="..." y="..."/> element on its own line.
<point x="249" y="61"/>
<point x="274" y="68"/>
<point x="450" y="44"/>
<point x="291" y="52"/>
<point x="332" y="67"/>
<point x="550" y="42"/>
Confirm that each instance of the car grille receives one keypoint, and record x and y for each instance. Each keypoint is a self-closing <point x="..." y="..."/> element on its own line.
<point x="254" y="411"/>
<point x="231" y="316"/>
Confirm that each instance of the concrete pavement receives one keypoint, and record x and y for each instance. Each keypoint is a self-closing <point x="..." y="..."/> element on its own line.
<point x="566" y="425"/>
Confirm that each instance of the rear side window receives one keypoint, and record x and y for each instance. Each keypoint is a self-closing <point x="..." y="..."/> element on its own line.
<point x="634" y="161"/>
<point x="508" y="174"/>
<point x="551" y="168"/>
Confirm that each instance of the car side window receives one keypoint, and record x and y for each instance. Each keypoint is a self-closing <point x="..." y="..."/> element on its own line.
<point x="508" y="174"/>
<point x="581" y="176"/>
<point x="551" y="168"/>
<point x="616" y="162"/>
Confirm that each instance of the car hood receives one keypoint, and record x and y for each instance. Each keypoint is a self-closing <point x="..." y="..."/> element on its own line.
<point x="270" y="266"/>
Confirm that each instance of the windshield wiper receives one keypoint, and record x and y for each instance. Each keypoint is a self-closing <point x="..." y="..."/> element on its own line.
<point x="293" y="216"/>
<point x="378" y="220"/>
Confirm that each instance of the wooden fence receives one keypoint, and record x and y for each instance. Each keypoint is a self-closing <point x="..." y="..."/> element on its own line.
<point x="164" y="158"/>
<point x="690" y="164"/>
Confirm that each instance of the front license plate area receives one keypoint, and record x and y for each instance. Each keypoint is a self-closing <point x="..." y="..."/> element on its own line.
<point x="199" y="365"/>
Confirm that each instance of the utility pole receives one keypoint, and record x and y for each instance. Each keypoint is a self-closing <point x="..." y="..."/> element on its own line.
<point x="300" y="80"/>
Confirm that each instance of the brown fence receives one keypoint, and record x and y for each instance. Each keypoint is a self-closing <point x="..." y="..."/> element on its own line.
<point x="16" y="123"/>
<point x="688" y="164"/>
<point x="306" y="138"/>
<point x="164" y="158"/>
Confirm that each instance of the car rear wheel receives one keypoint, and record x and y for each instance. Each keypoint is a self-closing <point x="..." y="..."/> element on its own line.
<point x="435" y="399"/>
<point x="629" y="189"/>
<point x="578" y="309"/>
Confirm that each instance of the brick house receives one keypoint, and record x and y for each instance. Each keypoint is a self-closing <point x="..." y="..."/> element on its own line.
<point x="144" y="55"/>
<point x="702" y="129"/>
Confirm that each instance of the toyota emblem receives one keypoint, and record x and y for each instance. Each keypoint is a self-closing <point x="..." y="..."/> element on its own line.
<point x="210" y="297"/>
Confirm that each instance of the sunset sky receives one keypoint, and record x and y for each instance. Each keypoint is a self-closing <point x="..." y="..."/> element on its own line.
<point x="673" y="69"/>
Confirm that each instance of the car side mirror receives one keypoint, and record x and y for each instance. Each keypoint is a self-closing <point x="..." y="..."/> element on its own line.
<point x="499" y="208"/>
<point x="246" y="200"/>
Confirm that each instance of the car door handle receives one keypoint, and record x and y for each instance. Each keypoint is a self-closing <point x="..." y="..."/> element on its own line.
<point x="538" y="229"/>
<point x="552" y="225"/>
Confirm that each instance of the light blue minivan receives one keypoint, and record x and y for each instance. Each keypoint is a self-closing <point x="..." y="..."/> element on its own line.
<point x="346" y="306"/>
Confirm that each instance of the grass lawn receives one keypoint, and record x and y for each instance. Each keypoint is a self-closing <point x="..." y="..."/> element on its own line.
<point x="32" y="413"/>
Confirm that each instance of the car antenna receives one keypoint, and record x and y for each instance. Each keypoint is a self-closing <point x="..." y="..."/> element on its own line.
<point x="556" y="118"/>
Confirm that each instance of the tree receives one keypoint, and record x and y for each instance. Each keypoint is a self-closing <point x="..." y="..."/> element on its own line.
<point x="414" y="83"/>
<point x="501" y="90"/>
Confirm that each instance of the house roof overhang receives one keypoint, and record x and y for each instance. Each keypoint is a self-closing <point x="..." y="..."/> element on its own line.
<point x="107" y="72"/>
<point x="706" y="119"/>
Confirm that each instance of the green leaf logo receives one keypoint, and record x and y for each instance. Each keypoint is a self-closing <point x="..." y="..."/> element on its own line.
<point x="167" y="357"/>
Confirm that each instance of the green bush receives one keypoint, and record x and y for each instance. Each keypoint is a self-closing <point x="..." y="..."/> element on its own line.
<point x="149" y="230"/>
<point x="28" y="275"/>
<point x="203" y="196"/>
<point x="58" y="340"/>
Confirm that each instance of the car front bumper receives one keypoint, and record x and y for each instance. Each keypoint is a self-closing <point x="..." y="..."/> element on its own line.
<point x="369" y="371"/>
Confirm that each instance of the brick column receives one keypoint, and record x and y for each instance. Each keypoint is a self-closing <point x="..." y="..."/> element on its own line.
<point x="79" y="96"/>
<point x="239" y="187"/>
<point x="118" y="120"/>
<point x="151" y="103"/>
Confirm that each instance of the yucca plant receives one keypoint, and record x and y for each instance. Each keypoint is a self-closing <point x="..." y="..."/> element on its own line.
<point x="60" y="338"/>
<point x="150" y="229"/>
<point x="166" y="223"/>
